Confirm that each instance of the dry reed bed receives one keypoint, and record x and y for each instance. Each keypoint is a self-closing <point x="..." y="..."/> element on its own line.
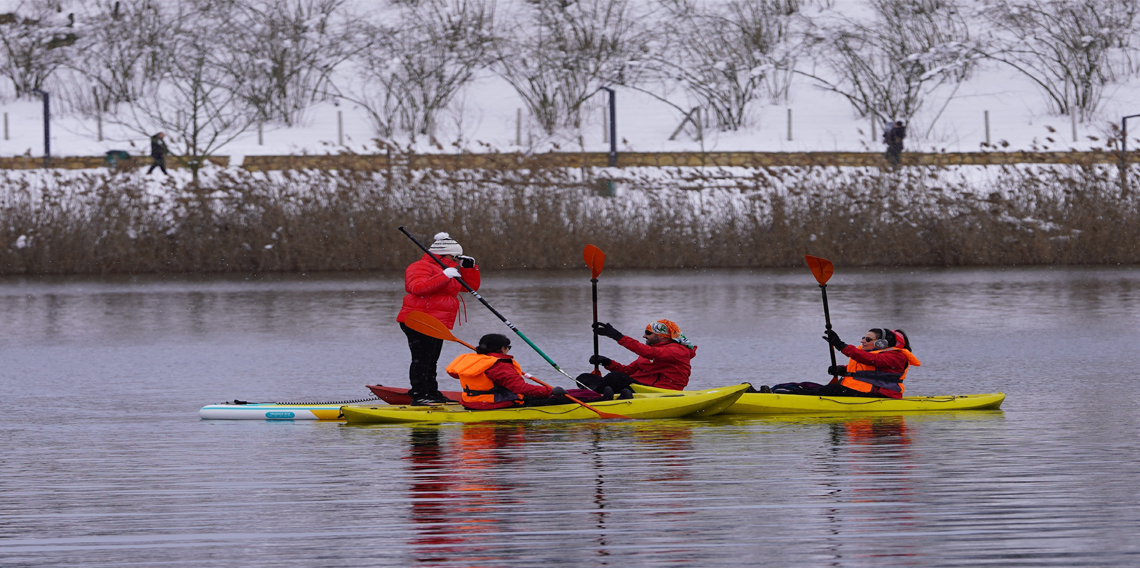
<point x="234" y="221"/>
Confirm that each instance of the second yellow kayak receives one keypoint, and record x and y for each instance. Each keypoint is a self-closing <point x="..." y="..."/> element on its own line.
<point x="670" y="404"/>
<point x="769" y="403"/>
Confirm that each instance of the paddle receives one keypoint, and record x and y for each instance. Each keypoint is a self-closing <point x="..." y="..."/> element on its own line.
<point x="823" y="269"/>
<point x="432" y="327"/>
<point x="493" y="310"/>
<point x="595" y="259"/>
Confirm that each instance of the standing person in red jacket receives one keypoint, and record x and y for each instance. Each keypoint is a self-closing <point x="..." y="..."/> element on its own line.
<point x="434" y="291"/>
<point x="663" y="360"/>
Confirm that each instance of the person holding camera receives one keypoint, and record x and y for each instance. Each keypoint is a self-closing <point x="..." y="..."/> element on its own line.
<point x="434" y="290"/>
<point x="877" y="367"/>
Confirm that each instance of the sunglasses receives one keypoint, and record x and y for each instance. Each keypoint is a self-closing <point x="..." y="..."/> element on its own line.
<point x="869" y="339"/>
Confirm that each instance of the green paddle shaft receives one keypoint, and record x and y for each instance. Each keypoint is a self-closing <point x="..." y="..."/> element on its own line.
<point x="496" y="312"/>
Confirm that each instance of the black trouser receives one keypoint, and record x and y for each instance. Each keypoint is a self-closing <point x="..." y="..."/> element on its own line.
<point x="840" y="390"/>
<point x="158" y="162"/>
<point x="425" y="357"/>
<point x="616" y="380"/>
<point x="894" y="154"/>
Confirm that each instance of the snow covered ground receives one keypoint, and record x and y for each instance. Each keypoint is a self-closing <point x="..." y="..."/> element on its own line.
<point x="487" y="112"/>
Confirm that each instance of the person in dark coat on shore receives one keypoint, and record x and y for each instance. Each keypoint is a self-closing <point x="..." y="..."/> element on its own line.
<point x="662" y="361"/>
<point x="893" y="138"/>
<point x="433" y="290"/>
<point x="158" y="152"/>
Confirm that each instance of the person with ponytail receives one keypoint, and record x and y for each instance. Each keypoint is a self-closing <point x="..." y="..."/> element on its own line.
<point x="433" y="290"/>
<point x="877" y="367"/>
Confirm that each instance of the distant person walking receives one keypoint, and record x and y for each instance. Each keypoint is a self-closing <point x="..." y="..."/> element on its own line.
<point x="893" y="138"/>
<point x="158" y="152"/>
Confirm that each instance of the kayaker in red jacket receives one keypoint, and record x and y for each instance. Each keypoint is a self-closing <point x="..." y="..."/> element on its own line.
<point x="435" y="291"/>
<point x="877" y="367"/>
<point x="663" y="360"/>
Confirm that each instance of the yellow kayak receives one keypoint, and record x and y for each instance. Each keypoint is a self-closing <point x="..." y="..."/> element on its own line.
<point x="768" y="403"/>
<point x="670" y="404"/>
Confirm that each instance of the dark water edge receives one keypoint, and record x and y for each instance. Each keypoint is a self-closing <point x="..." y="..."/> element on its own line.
<point x="106" y="463"/>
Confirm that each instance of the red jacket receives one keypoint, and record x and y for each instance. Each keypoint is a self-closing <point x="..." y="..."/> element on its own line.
<point x="432" y="292"/>
<point x="503" y="374"/>
<point x="664" y="366"/>
<point x="892" y="361"/>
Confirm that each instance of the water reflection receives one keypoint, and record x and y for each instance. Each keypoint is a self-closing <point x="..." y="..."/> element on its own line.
<point x="108" y="464"/>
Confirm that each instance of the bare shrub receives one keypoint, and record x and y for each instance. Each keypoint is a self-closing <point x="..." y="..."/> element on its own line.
<point x="1065" y="47"/>
<point x="194" y="97"/>
<point x="287" y="53"/>
<point x="414" y="69"/>
<point x="727" y="56"/>
<point x="36" y="39"/>
<point x="888" y="67"/>
<point x="562" y="51"/>
<point x="117" y="55"/>
<point x="234" y="221"/>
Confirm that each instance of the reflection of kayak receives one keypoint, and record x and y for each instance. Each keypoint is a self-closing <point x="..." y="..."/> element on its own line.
<point x="768" y="403"/>
<point x="672" y="404"/>
<point x="399" y="396"/>
<point x="270" y="411"/>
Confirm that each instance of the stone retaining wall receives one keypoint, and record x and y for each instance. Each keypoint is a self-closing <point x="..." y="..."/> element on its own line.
<point x="507" y="161"/>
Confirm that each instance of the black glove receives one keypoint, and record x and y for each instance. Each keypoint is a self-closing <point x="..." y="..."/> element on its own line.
<point x="837" y="370"/>
<point x="607" y="330"/>
<point x="557" y="391"/>
<point x="600" y="360"/>
<point x="466" y="262"/>
<point x="832" y="338"/>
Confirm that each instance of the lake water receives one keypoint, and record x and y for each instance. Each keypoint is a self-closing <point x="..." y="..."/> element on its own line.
<point x="106" y="463"/>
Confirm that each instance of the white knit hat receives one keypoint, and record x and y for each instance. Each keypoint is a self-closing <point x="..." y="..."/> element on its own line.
<point x="445" y="245"/>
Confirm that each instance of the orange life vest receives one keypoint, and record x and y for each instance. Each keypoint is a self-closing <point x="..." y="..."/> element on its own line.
<point x="892" y="388"/>
<point x="471" y="370"/>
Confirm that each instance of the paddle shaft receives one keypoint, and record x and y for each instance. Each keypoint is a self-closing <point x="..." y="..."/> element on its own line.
<point x="827" y="319"/>
<point x="594" y="285"/>
<point x="493" y="310"/>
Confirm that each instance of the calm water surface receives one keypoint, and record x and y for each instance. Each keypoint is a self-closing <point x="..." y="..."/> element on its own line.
<point x="105" y="462"/>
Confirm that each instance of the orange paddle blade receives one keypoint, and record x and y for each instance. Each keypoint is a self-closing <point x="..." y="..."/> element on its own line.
<point x="595" y="259"/>
<point x="820" y="267"/>
<point x="431" y="327"/>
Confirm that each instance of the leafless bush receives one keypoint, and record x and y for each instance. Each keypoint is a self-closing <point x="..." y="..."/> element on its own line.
<point x="726" y="56"/>
<point x="116" y="55"/>
<point x="886" y="68"/>
<point x="286" y="53"/>
<point x="414" y="68"/>
<point x="195" y="97"/>
<point x="562" y="51"/>
<point x="1065" y="47"/>
<point x="320" y="221"/>
<point x="36" y="39"/>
